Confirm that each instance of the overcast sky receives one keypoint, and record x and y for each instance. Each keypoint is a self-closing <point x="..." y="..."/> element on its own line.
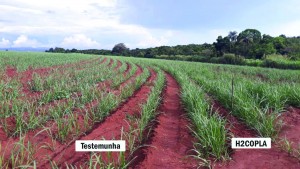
<point x="139" y="23"/>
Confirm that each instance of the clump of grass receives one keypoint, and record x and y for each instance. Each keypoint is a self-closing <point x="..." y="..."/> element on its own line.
<point x="286" y="145"/>
<point x="22" y="154"/>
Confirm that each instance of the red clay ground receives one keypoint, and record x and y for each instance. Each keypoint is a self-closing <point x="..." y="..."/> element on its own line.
<point x="110" y="128"/>
<point x="171" y="141"/>
<point x="273" y="158"/>
<point x="119" y="64"/>
<point x="291" y="127"/>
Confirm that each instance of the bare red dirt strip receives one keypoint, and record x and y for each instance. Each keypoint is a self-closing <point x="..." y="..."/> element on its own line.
<point x="128" y="68"/>
<point x="110" y="128"/>
<point x="171" y="142"/>
<point x="11" y="72"/>
<point x="273" y="158"/>
<point x="111" y="61"/>
<point x="291" y="127"/>
<point x="119" y="64"/>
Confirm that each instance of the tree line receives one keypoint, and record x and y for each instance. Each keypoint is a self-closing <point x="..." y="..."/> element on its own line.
<point x="249" y="44"/>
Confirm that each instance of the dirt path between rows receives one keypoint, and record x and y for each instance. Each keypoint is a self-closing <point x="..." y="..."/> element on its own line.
<point x="171" y="141"/>
<point x="119" y="64"/>
<point x="273" y="158"/>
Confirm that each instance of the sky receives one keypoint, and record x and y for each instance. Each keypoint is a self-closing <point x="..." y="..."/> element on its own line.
<point x="100" y="24"/>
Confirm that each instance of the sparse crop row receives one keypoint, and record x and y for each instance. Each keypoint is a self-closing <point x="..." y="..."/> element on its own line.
<point x="86" y="93"/>
<point x="11" y="88"/>
<point x="138" y="124"/>
<point x="66" y="117"/>
<point x="11" y="92"/>
<point x="106" y="103"/>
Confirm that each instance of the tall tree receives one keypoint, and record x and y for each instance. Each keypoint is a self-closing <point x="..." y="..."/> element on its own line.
<point x="247" y="40"/>
<point x="222" y="45"/>
<point x="120" y="49"/>
<point x="232" y="35"/>
<point x="250" y="35"/>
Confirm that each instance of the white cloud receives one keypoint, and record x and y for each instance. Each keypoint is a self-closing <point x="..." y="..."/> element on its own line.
<point x="4" y="43"/>
<point x="24" y="41"/>
<point x="288" y="29"/>
<point x="150" y="40"/>
<point x="79" y="41"/>
<point x="89" y="23"/>
<point x="76" y="21"/>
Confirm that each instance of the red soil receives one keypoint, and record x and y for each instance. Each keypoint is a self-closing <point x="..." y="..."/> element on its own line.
<point x="11" y="72"/>
<point x="110" y="128"/>
<point x="111" y="61"/>
<point x="128" y="68"/>
<point x="119" y="64"/>
<point x="26" y="77"/>
<point x="291" y="126"/>
<point x="273" y="158"/>
<point x="171" y="141"/>
<point x="104" y="60"/>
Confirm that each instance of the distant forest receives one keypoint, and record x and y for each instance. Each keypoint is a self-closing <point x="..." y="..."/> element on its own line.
<point x="234" y="48"/>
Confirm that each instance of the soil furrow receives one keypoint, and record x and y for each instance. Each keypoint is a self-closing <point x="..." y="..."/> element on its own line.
<point x="111" y="61"/>
<point x="273" y="158"/>
<point x="171" y="142"/>
<point x="119" y="64"/>
<point x="110" y="128"/>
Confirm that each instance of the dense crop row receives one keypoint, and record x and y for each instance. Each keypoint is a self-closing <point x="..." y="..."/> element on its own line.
<point x="256" y="96"/>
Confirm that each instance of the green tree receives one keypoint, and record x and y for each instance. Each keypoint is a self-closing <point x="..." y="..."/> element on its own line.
<point x="232" y="35"/>
<point x="120" y="49"/>
<point x="222" y="45"/>
<point x="248" y="40"/>
<point x="280" y="44"/>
